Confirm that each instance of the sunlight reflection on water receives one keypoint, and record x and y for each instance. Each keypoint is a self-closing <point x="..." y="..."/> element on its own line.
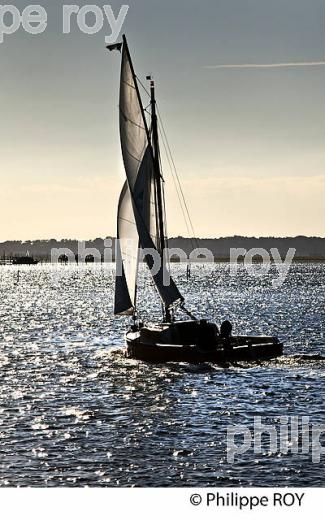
<point x="74" y="411"/>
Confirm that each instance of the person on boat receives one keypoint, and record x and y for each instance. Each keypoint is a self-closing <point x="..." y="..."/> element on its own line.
<point x="207" y="336"/>
<point x="225" y="333"/>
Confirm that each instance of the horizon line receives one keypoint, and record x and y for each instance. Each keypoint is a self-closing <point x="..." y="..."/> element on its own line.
<point x="256" y="237"/>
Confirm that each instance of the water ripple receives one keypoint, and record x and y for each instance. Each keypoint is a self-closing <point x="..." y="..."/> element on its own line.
<point x="75" y="412"/>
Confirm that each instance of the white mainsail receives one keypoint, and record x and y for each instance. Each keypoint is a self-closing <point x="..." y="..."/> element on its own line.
<point x="137" y="214"/>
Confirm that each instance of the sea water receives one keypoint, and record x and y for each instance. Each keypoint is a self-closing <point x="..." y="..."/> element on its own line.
<point x="75" y="412"/>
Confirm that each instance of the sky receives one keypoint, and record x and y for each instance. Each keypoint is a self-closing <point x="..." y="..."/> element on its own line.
<point x="240" y="86"/>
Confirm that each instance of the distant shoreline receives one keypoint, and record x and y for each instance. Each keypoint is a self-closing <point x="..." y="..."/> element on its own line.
<point x="38" y="261"/>
<point x="308" y="249"/>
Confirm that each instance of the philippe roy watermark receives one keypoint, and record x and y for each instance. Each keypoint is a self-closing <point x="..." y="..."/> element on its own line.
<point x="292" y="435"/>
<point x="263" y="267"/>
<point x="88" y="19"/>
<point x="257" y="262"/>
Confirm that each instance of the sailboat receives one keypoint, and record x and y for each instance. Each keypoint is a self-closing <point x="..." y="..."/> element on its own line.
<point x="141" y="226"/>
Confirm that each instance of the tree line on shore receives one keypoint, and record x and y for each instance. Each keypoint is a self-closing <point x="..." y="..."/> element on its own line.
<point x="309" y="248"/>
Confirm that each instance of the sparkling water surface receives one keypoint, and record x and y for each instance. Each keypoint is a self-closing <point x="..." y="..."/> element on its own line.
<point x="75" y="412"/>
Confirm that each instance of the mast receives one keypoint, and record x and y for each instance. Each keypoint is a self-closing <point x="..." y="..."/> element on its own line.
<point x="158" y="183"/>
<point x="158" y="176"/>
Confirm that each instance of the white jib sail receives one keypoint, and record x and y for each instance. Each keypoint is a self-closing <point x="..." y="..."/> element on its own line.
<point x="127" y="253"/>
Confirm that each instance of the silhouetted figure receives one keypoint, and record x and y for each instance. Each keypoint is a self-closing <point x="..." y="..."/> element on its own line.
<point x="225" y="333"/>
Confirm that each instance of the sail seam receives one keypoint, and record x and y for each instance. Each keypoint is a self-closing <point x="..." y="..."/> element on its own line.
<point x="128" y="221"/>
<point x="131" y="121"/>
<point x="128" y="84"/>
<point x="133" y="157"/>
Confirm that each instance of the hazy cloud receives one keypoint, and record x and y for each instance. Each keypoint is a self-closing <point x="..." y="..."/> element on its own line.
<point x="267" y="65"/>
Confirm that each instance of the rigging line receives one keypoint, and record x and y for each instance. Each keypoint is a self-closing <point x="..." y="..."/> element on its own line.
<point x="167" y="260"/>
<point x="178" y="190"/>
<point x="178" y="196"/>
<point x="173" y="176"/>
<point x="172" y="165"/>
<point x="163" y="208"/>
<point x="178" y="178"/>
<point x="175" y="183"/>
<point x="149" y="135"/>
<point x="143" y="86"/>
<point x="156" y="241"/>
<point x="165" y="219"/>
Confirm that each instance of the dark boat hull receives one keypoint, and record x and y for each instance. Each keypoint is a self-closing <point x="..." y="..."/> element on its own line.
<point x="162" y="353"/>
